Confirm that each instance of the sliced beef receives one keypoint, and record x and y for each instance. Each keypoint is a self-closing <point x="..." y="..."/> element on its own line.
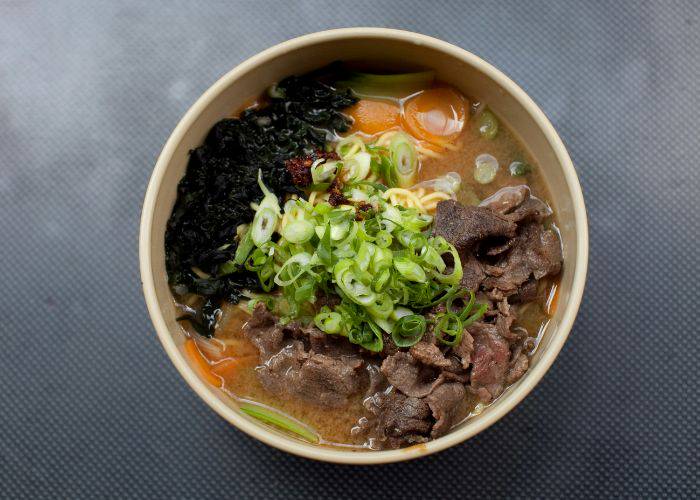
<point x="405" y="415"/>
<point x="430" y="355"/>
<point x="464" y="226"/>
<point x="536" y="253"/>
<point x="447" y="406"/>
<point x="472" y="273"/>
<point x="377" y="380"/>
<point x="315" y="378"/>
<point x="527" y="292"/>
<point x="409" y="376"/>
<point x="304" y="362"/>
<point x="532" y="209"/>
<point x="396" y="420"/>
<point x="329" y="381"/>
<point x="262" y="330"/>
<point x="279" y="373"/>
<point x="490" y="361"/>
<point x="496" y="247"/>
<point x="506" y="199"/>
<point x="517" y="368"/>
<point x="518" y="204"/>
<point x="464" y="349"/>
<point x="389" y="346"/>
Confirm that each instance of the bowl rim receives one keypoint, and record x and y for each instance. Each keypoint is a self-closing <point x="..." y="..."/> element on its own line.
<point x="514" y="396"/>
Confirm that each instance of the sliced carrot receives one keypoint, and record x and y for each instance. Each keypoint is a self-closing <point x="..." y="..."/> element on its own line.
<point x="200" y="362"/>
<point x="436" y="115"/>
<point x="373" y="117"/>
<point x="227" y="368"/>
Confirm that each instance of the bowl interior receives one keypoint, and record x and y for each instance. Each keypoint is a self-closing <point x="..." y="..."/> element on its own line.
<point x="474" y="78"/>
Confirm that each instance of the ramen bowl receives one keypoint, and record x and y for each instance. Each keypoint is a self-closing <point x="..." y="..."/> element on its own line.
<point x="453" y="65"/>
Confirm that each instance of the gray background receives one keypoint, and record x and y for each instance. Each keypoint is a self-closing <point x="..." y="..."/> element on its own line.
<point x="91" y="407"/>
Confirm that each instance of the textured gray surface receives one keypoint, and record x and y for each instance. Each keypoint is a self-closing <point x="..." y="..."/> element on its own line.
<point x="89" y="403"/>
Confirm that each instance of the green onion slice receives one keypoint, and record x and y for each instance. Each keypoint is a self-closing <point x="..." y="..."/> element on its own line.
<point x="476" y="316"/>
<point x="488" y="125"/>
<point x="409" y="269"/>
<point x="408" y="330"/>
<point x="485" y="168"/>
<point x="404" y="160"/>
<point x="448" y="329"/>
<point x="323" y="171"/>
<point x="519" y="168"/>
<point x="283" y="422"/>
<point x="395" y="86"/>
<point x="328" y="321"/>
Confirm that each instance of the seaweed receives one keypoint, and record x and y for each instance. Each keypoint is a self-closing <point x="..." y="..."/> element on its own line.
<point x="215" y="194"/>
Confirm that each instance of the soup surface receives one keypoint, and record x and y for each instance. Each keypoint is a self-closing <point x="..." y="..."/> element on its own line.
<point x="393" y="382"/>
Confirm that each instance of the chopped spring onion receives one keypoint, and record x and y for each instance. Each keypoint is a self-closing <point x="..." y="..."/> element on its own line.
<point x="380" y="280"/>
<point x="320" y="186"/>
<point x="383" y="239"/>
<point x="356" y="167"/>
<point x="486" y="167"/>
<point x="353" y="282"/>
<point x="488" y="125"/>
<point x="476" y="316"/>
<point x="350" y="145"/>
<point x="266" y="215"/>
<point x="409" y="269"/>
<point x="382" y="259"/>
<point x="227" y="267"/>
<point x="244" y="248"/>
<point x="382" y="307"/>
<point x="323" y="171"/>
<point x="368" y="336"/>
<point x="404" y="161"/>
<point x="292" y="269"/>
<point x="328" y="321"/>
<point x="383" y="266"/>
<point x="519" y="168"/>
<point x="264" y="224"/>
<point x="275" y="418"/>
<point x="408" y="330"/>
<point x="298" y="231"/>
<point x="448" y="329"/>
<point x="399" y="85"/>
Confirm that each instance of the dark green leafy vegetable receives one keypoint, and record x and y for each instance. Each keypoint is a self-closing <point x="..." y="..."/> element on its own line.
<point x="215" y="194"/>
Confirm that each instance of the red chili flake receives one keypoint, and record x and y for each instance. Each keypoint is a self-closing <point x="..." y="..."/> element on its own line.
<point x="336" y="195"/>
<point x="363" y="210"/>
<point x="300" y="167"/>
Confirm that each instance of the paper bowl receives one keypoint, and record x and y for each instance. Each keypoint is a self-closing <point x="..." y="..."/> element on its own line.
<point x="467" y="72"/>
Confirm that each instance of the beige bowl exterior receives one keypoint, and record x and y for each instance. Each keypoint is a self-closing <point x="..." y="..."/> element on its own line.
<point x="467" y="72"/>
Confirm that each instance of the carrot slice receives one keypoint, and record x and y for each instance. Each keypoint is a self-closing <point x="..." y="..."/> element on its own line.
<point x="201" y="364"/>
<point x="373" y="117"/>
<point x="436" y="115"/>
